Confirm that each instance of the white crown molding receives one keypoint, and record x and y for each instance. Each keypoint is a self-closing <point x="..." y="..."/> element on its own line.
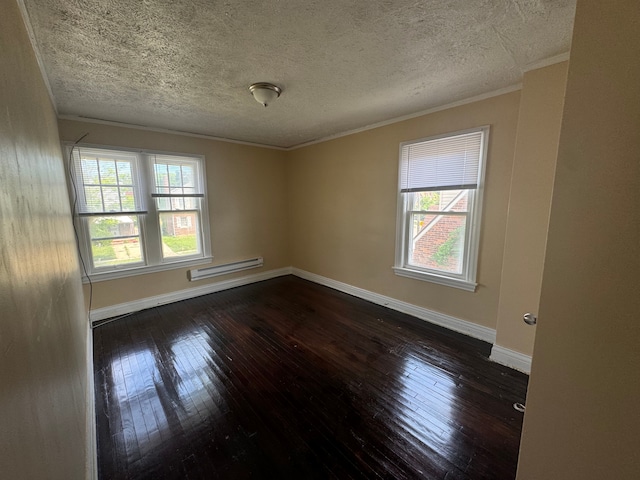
<point x="99" y="121"/>
<point x="452" y="323"/>
<point x="25" y="18"/>
<point x="459" y="103"/>
<point x="157" y="300"/>
<point x="546" y="62"/>
<point x="477" y="98"/>
<point x="511" y="358"/>
<point x="36" y="51"/>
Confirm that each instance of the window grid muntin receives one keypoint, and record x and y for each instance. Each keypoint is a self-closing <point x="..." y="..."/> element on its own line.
<point x="153" y="258"/>
<point x="411" y="246"/>
<point x="112" y="266"/>
<point x="409" y="242"/>
<point x="466" y="280"/>
<point x="100" y="157"/>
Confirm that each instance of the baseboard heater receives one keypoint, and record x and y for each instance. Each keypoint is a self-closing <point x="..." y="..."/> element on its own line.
<point x="200" y="273"/>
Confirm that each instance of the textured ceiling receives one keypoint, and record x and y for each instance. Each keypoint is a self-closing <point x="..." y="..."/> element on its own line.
<point x="186" y="64"/>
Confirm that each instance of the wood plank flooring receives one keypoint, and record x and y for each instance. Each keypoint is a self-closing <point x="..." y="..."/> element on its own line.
<point x="288" y="379"/>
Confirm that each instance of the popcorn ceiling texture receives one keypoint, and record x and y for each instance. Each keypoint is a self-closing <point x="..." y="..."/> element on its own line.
<point x="186" y="64"/>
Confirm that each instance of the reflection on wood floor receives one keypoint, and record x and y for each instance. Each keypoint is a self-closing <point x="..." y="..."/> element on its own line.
<point x="288" y="379"/>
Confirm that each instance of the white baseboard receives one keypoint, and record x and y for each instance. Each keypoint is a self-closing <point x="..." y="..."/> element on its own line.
<point x="91" y="465"/>
<point x="437" y="318"/>
<point x="148" y="302"/>
<point x="511" y="358"/>
<point x="501" y="355"/>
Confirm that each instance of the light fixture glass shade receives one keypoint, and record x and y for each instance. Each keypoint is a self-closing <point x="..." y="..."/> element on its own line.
<point x="265" y="93"/>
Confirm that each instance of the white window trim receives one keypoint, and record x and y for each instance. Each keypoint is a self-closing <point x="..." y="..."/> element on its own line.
<point x="129" y="270"/>
<point x="467" y="279"/>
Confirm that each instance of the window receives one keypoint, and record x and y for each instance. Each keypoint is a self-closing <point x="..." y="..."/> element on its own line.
<point x="139" y="211"/>
<point x="439" y="205"/>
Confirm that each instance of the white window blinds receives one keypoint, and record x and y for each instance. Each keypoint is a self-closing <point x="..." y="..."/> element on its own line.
<point x="449" y="163"/>
<point x="107" y="182"/>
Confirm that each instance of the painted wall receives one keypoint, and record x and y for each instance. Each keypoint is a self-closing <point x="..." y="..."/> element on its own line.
<point x="43" y="328"/>
<point x="247" y="205"/>
<point x="342" y="200"/>
<point x="529" y="204"/>
<point x="330" y="208"/>
<point x="582" y="416"/>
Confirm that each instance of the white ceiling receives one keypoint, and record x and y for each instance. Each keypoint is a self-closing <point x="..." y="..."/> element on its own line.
<point x="186" y="65"/>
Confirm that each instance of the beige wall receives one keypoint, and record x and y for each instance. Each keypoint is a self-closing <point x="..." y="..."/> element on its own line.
<point x="43" y="328"/>
<point x="582" y="416"/>
<point x="342" y="199"/>
<point x="529" y="204"/>
<point x="330" y="208"/>
<point x="333" y="206"/>
<point x="247" y="205"/>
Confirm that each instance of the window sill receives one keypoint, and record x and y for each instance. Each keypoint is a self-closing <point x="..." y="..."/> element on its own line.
<point x="439" y="279"/>
<point x="130" y="272"/>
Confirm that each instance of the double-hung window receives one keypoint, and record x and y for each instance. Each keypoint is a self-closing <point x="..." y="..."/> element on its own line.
<point x="439" y="206"/>
<point x="137" y="211"/>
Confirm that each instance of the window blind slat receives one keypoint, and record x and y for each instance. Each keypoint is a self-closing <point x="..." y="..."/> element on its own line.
<point x="111" y="214"/>
<point x="106" y="182"/>
<point x="441" y="164"/>
<point x="177" y="195"/>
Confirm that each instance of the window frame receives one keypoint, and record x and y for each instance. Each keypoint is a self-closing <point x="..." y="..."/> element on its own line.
<point x="148" y="220"/>
<point x="466" y="280"/>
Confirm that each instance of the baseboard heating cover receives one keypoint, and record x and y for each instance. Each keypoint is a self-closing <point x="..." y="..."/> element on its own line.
<point x="200" y="273"/>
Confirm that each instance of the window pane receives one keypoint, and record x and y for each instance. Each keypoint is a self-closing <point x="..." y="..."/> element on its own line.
<point x="437" y="242"/>
<point x="175" y="178"/>
<point x="108" y="172"/>
<point x="176" y="175"/>
<point x="163" y="203"/>
<point x="113" y="216"/>
<point x="115" y="240"/>
<point x="191" y="203"/>
<point x="162" y="178"/>
<point x="443" y="200"/>
<point x="124" y="173"/>
<point x="90" y="172"/>
<point x="188" y="177"/>
<point x="180" y="234"/>
<point x="127" y="199"/>
<point x="93" y="198"/>
<point x="177" y="203"/>
<point x="116" y="226"/>
<point x="109" y="253"/>
<point x="111" y="197"/>
<point x="107" y="182"/>
<point x="426" y="201"/>
<point x="454" y="200"/>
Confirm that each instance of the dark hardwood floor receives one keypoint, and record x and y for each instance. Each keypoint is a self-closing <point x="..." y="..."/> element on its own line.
<point x="288" y="379"/>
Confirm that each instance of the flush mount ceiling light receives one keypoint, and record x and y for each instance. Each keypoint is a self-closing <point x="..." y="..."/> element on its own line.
<point x="265" y="93"/>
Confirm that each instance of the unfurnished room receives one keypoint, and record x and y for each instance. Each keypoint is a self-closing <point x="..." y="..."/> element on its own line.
<point x="319" y="239"/>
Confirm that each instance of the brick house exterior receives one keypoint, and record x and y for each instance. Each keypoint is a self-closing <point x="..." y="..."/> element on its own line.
<point x="182" y="223"/>
<point x="436" y="243"/>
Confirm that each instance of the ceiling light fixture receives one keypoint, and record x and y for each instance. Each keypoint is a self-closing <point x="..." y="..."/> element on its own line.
<point x="265" y="93"/>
